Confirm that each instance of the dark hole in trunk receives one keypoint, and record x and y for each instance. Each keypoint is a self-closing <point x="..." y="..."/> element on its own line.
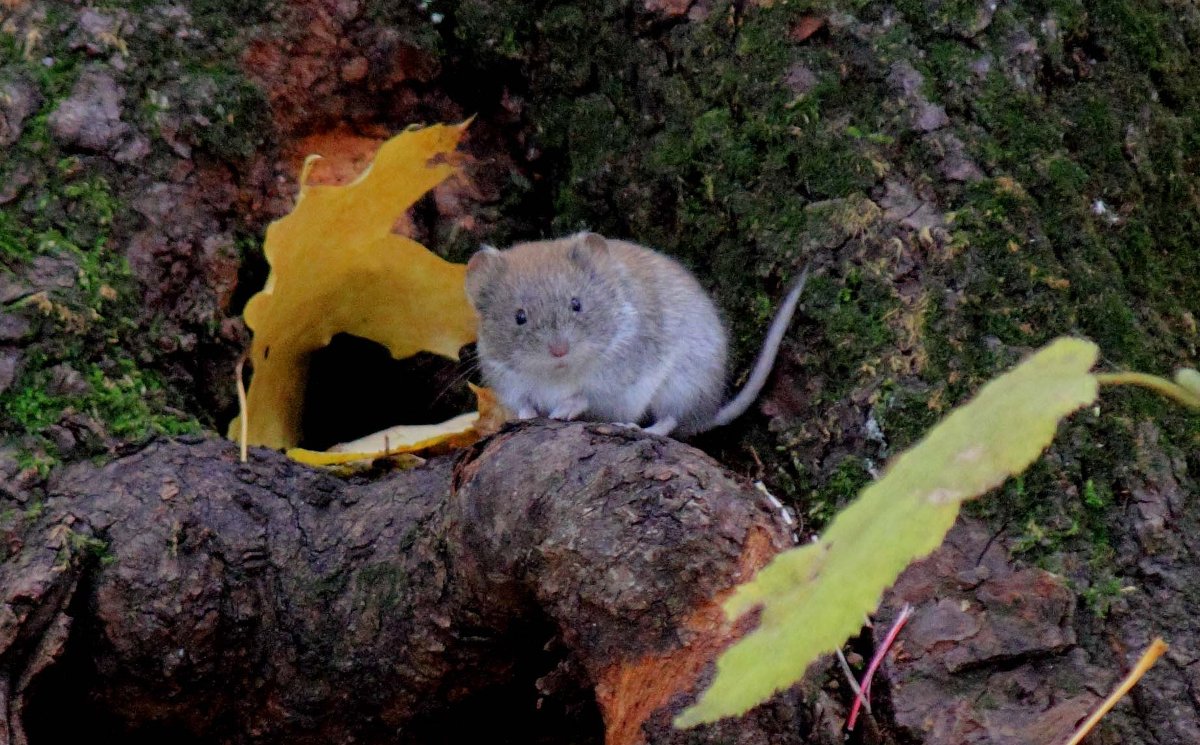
<point x="355" y="388"/>
<point x="509" y="709"/>
<point x="64" y="705"/>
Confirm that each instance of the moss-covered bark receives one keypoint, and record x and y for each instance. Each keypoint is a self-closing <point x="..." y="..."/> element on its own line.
<point x="124" y="283"/>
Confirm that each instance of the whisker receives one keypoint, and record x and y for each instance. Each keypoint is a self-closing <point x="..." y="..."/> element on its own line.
<point x="466" y="372"/>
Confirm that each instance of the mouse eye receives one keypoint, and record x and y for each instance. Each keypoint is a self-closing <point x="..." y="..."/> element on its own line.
<point x="521" y="317"/>
<point x="576" y="305"/>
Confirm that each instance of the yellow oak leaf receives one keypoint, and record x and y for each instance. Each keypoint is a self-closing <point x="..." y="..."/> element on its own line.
<point x="337" y="267"/>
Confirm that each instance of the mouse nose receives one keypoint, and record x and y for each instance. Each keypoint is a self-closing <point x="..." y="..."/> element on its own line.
<point x="559" y="348"/>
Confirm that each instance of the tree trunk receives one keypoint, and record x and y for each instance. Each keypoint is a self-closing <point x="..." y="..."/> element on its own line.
<point x="183" y="593"/>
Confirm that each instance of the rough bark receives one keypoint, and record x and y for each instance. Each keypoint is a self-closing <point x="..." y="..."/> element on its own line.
<point x="990" y="628"/>
<point x="189" y="595"/>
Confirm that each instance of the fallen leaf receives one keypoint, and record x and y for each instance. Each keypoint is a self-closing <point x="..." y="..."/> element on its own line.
<point x="351" y="462"/>
<point x="412" y="439"/>
<point x="336" y="266"/>
<point x="409" y="436"/>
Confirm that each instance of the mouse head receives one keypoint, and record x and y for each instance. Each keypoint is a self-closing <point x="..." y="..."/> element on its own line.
<point x="550" y="309"/>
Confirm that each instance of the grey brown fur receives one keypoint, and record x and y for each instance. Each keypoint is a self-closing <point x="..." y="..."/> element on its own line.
<point x="646" y="341"/>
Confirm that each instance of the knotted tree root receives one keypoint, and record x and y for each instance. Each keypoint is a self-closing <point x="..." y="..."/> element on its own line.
<point x="555" y="569"/>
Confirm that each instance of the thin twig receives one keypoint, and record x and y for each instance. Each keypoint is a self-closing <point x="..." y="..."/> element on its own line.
<point x="849" y="673"/>
<point x="1154" y="383"/>
<point x="880" y="653"/>
<point x="1157" y="647"/>
<point x="243" y="413"/>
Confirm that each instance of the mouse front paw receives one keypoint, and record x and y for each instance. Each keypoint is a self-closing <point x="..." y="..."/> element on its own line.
<point x="526" y="412"/>
<point x="570" y="408"/>
<point x="664" y="426"/>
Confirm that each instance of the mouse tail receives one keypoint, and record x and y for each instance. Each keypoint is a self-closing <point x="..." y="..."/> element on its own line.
<point x="766" y="358"/>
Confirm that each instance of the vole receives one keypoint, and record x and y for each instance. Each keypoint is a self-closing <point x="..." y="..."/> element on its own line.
<point x="610" y="331"/>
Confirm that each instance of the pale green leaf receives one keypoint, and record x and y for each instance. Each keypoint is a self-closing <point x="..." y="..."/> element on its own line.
<point x="815" y="596"/>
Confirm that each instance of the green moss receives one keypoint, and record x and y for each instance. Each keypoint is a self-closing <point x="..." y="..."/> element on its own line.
<point x="327" y="587"/>
<point x="85" y="325"/>
<point x="379" y="586"/>
<point x="1095" y="135"/>
<point x="1066" y="178"/>
<point x="947" y="64"/>
<point x="54" y="75"/>
<point x="15" y="243"/>
<point x="1042" y="527"/>
<point x="496" y="29"/>
<point x="225" y="17"/>
<point x="30" y="408"/>
<point x="69" y="209"/>
<point x="1096" y="497"/>
<point x="129" y="401"/>
<point x="833" y="168"/>
<point x="905" y="414"/>
<point x="81" y="546"/>
<point x="218" y="20"/>
<point x="1018" y="128"/>
<point x="1047" y="540"/>
<point x="122" y="401"/>
<point x="596" y="126"/>
<point x="1101" y="594"/>
<point x="1071" y="15"/>
<point x="1147" y="34"/>
<point x="850" y="317"/>
<point x="1112" y="323"/>
<point x="34" y="511"/>
<point x="1066" y="504"/>
<point x="841" y="487"/>
<point x="239" y="117"/>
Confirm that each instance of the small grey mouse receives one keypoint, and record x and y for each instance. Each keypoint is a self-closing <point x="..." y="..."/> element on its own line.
<point x="610" y="331"/>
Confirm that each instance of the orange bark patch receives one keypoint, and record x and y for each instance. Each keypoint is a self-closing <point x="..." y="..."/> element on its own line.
<point x="344" y="155"/>
<point x="807" y="26"/>
<point x="629" y="693"/>
<point x="669" y="8"/>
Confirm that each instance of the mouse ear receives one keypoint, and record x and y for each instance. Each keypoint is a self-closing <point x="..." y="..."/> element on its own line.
<point x="587" y="246"/>
<point x="481" y="267"/>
